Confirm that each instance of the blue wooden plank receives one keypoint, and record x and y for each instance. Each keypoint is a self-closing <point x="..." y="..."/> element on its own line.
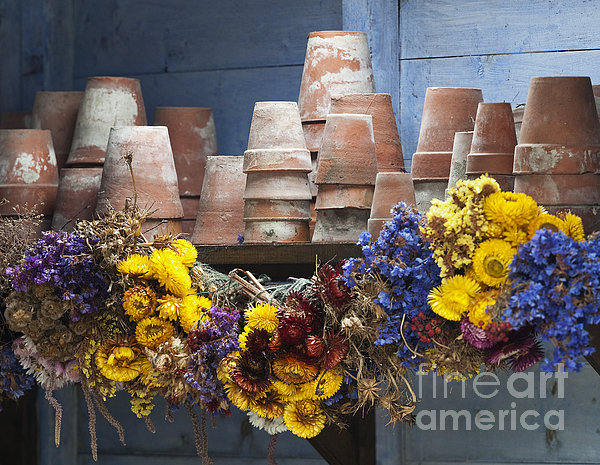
<point x="141" y="36"/>
<point x="576" y="443"/>
<point x="476" y="27"/>
<point x="379" y="19"/>
<point x="230" y="93"/>
<point x="503" y="78"/>
<point x="10" y="58"/>
<point x="66" y="454"/>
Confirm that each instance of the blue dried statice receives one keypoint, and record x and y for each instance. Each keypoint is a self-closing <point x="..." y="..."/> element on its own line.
<point x="14" y="381"/>
<point x="555" y="286"/>
<point x="216" y="338"/>
<point x="400" y="256"/>
<point x="63" y="261"/>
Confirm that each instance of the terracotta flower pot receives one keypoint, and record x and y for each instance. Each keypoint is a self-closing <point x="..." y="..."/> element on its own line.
<point x="390" y="188"/>
<point x="221" y="206"/>
<point x="347" y="155"/>
<point x="387" y="140"/>
<point x="458" y="164"/>
<point x="57" y="112"/>
<point x="193" y="138"/>
<point x="340" y="225"/>
<point x="28" y="172"/>
<point x="15" y="120"/>
<point x="313" y="134"/>
<point x="190" y="211"/>
<point x="446" y="110"/>
<point x="277" y="194"/>
<point x="560" y="133"/>
<point x="493" y="145"/>
<point x="77" y="196"/>
<point x="107" y="102"/>
<point x="153" y="169"/>
<point x="560" y="189"/>
<point x="336" y="62"/>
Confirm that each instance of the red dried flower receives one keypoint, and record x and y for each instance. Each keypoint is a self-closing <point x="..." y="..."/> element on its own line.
<point x="336" y="349"/>
<point x="330" y="288"/>
<point x="300" y="306"/>
<point x="314" y="346"/>
<point x="293" y="330"/>
<point x="251" y="372"/>
<point x="258" y="341"/>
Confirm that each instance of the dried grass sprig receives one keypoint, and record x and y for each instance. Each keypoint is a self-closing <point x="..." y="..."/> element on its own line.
<point x="57" y="415"/>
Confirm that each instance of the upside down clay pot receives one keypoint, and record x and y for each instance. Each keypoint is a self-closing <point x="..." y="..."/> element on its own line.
<point x="77" y="196"/>
<point x="107" y="102"/>
<point x="28" y="172"/>
<point x="460" y="150"/>
<point x="560" y="133"/>
<point x="154" y="173"/>
<point x="57" y="112"/>
<point x="388" y="149"/>
<point x="493" y="145"/>
<point x="446" y="110"/>
<point x="390" y="188"/>
<point x="220" y="211"/>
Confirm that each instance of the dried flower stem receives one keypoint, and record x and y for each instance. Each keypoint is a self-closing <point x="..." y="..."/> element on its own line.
<point x="253" y="288"/>
<point x="414" y="352"/>
<point x="149" y="425"/>
<point x="57" y="415"/>
<point x="108" y="416"/>
<point x="271" y="450"/>
<point x="92" y="419"/>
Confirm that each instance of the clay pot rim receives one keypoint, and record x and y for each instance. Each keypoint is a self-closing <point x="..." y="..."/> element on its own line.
<point x="59" y="92"/>
<point x="337" y="96"/>
<point x="336" y="33"/>
<point x="566" y="163"/>
<point x="275" y="160"/>
<point x="15" y="131"/>
<point x="461" y="88"/>
<point x="112" y="78"/>
<point x="562" y="78"/>
<point x="255" y="219"/>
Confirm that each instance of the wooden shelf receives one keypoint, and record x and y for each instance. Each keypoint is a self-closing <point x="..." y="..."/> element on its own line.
<point x="279" y="261"/>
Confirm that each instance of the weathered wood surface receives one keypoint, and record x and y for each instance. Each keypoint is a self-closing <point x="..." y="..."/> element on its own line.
<point x="10" y="56"/>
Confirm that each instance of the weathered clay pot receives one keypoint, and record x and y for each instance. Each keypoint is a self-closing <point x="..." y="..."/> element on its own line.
<point x="387" y="141"/>
<point x="15" y="120"/>
<point x="28" y="172"/>
<point x="313" y="134"/>
<point x="347" y="154"/>
<point x="390" y="188"/>
<point x="221" y="207"/>
<point x="446" y="110"/>
<point x="458" y="164"/>
<point x="336" y="62"/>
<point x="153" y="169"/>
<point x="277" y="195"/>
<point x="560" y="189"/>
<point x="518" y="113"/>
<point x="107" y="102"/>
<point x="193" y="138"/>
<point x="57" y="112"/>
<point x="345" y="196"/>
<point x="493" y="145"/>
<point x="77" y="196"/>
<point x="560" y="133"/>
<point x="340" y="225"/>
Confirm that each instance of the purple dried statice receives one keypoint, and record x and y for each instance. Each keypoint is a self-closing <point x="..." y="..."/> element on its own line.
<point x="14" y="380"/>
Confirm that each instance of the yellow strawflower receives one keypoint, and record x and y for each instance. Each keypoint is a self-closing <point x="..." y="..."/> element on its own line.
<point x="153" y="331"/>
<point x="453" y="297"/>
<point x="491" y="261"/>
<point x="135" y="265"/>
<point x="194" y="308"/>
<point x="166" y="267"/>
<point x="186" y="251"/>
<point x="262" y="316"/>
<point x="139" y="302"/>
<point x="304" y="418"/>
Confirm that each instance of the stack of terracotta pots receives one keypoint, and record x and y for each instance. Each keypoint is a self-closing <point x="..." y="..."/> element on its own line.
<point x="558" y="157"/>
<point x="107" y="102"/>
<point x="193" y="139"/>
<point x="493" y="145"/>
<point x="346" y="178"/>
<point x="390" y="188"/>
<point x="28" y="173"/>
<point x="277" y="195"/>
<point x="458" y="163"/>
<point x="220" y="218"/>
<point x="447" y="110"/>
<point x="154" y="183"/>
<point x="518" y="117"/>
<point x="57" y="112"/>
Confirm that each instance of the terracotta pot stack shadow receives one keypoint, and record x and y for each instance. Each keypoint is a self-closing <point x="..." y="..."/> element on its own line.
<point x="220" y="210"/>
<point x="346" y="178"/>
<point x="446" y="110"/>
<point x="28" y="173"/>
<point x="557" y="160"/>
<point x="107" y="101"/>
<point x="57" y="112"/>
<point x="277" y="195"/>
<point x="493" y="145"/>
<point x="390" y="188"/>
<point x="458" y="163"/>
<point x="193" y="138"/>
<point x="154" y="173"/>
